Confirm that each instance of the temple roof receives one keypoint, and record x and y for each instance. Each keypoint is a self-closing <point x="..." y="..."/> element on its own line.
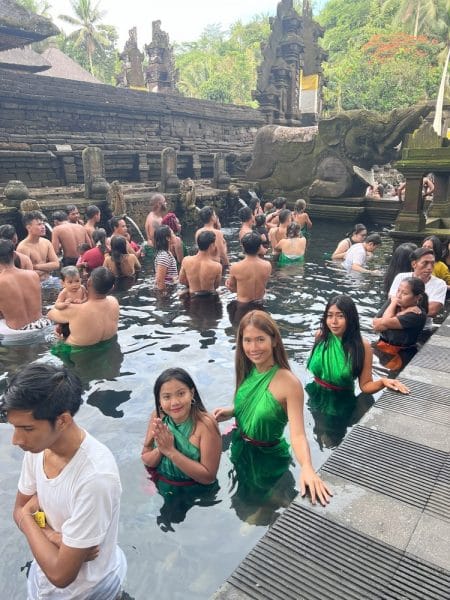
<point x="19" y="27"/>
<point x="64" y="67"/>
<point x="23" y="59"/>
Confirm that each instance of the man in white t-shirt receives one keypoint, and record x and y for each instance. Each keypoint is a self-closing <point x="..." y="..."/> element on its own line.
<point x="422" y="263"/>
<point x="356" y="256"/>
<point x="72" y="479"/>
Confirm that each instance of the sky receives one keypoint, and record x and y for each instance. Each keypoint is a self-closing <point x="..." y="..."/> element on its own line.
<point x="182" y="20"/>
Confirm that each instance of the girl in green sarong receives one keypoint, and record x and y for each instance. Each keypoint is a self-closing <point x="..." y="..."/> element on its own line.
<point x="268" y="396"/>
<point x="183" y="445"/>
<point x="340" y="355"/>
<point x="292" y="248"/>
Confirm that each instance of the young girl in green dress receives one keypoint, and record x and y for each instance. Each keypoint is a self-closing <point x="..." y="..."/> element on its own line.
<point x="183" y="444"/>
<point x="268" y="396"/>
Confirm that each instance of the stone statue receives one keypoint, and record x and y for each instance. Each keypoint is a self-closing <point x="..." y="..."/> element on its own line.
<point x="132" y="75"/>
<point x="95" y="184"/>
<point x="188" y="194"/>
<point x="318" y="161"/>
<point x="116" y="199"/>
<point x="161" y="74"/>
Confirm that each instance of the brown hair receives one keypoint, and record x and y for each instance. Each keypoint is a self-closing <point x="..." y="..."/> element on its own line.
<point x="261" y="320"/>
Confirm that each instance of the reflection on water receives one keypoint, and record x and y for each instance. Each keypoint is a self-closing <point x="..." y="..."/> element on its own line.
<point x="185" y="545"/>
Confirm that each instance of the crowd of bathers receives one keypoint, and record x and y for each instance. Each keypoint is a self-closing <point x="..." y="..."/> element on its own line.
<point x="68" y="501"/>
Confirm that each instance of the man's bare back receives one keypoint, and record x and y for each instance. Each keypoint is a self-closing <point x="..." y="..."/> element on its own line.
<point x="152" y="222"/>
<point x="220" y="255"/>
<point x="200" y="273"/>
<point x="69" y="236"/>
<point x="20" y="297"/>
<point x="94" y="321"/>
<point x="41" y="254"/>
<point x="248" y="278"/>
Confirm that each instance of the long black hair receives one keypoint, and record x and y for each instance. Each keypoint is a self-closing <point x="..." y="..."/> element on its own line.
<point x="118" y="251"/>
<point x="162" y="238"/>
<point x="400" y="263"/>
<point x="351" y="340"/>
<point x="437" y="246"/>
<point x="417" y="288"/>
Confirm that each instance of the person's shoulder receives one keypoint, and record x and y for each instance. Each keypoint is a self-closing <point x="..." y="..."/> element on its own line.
<point x="438" y="282"/>
<point x="99" y="456"/>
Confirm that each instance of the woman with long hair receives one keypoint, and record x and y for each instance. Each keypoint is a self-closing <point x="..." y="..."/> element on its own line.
<point x="356" y="236"/>
<point x="268" y="396"/>
<point x="119" y="261"/>
<point x="166" y="271"/>
<point x="340" y="354"/>
<point x="400" y="321"/>
<point x="176" y="245"/>
<point x="183" y="444"/>
<point x="400" y="263"/>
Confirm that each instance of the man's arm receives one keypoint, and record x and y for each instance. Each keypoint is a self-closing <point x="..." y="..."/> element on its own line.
<point x="231" y="282"/>
<point x="60" y="565"/>
<point x="434" y="308"/>
<point x="51" y="263"/>
<point x="62" y="316"/>
<point x="182" y="277"/>
<point x="55" y="240"/>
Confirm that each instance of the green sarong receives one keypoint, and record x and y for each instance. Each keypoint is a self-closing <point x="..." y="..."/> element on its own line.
<point x="284" y="259"/>
<point x="259" y="451"/>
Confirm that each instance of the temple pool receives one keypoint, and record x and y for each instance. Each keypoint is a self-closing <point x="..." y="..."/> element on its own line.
<point x="185" y="547"/>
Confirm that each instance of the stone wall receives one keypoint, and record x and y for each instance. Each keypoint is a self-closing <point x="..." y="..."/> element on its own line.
<point x="39" y="114"/>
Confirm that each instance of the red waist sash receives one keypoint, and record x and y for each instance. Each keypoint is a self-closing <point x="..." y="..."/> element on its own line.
<point x="155" y="476"/>
<point x="330" y="386"/>
<point x="258" y="443"/>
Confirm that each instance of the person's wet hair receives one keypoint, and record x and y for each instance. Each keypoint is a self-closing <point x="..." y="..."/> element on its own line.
<point x="400" y="263"/>
<point x="102" y="280"/>
<point x="357" y="228"/>
<point x="118" y="249"/>
<point x="279" y="202"/>
<point x="437" y="246"/>
<point x="99" y="235"/>
<point x="69" y="272"/>
<point x="293" y="230"/>
<point x="417" y="288"/>
<point x="32" y="215"/>
<point x="44" y="389"/>
<point x="245" y="214"/>
<point x="7" y="232"/>
<point x="6" y="251"/>
<point x="59" y="215"/>
<point x="419" y="252"/>
<point x="300" y="205"/>
<point x="70" y="208"/>
<point x="205" y="239"/>
<point x="114" y="222"/>
<point x="284" y="215"/>
<point x="162" y="238"/>
<point x="260" y="220"/>
<point x="373" y="238"/>
<point x="251" y="242"/>
<point x="91" y="211"/>
<point x="206" y="214"/>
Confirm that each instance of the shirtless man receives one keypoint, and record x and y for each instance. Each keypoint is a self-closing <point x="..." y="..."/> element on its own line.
<point x="210" y="222"/>
<point x="248" y="277"/>
<point x="272" y="218"/>
<point x="38" y="249"/>
<point x="158" y="207"/>
<point x="277" y="234"/>
<point x="68" y="237"/>
<point x="247" y="219"/>
<point x="21" y="261"/>
<point x="73" y="214"/>
<point x="119" y="227"/>
<point x="93" y="217"/>
<point x="95" y="320"/>
<point x="201" y="273"/>
<point x="20" y="300"/>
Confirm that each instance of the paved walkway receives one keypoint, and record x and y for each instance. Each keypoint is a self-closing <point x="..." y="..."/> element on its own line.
<point x="386" y="533"/>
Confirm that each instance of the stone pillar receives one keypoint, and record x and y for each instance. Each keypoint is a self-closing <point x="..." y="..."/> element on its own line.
<point x="441" y="197"/>
<point x="411" y="216"/>
<point x="143" y="167"/>
<point x="221" y="177"/>
<point x="197" y="166"/>
<point x="169" y="177"/>
<point x="95" y="184"/>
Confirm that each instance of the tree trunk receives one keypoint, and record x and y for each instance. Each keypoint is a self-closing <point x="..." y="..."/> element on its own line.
<point x="437" y="123"/>
<point x="416" y="24"/>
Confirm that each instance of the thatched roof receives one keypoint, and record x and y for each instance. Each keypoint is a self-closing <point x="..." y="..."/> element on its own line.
<point x="23" y="59"/>
<point x="19" y="27"/>
<point x="64" y="67"/>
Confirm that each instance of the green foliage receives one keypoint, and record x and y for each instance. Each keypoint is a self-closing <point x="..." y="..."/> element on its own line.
<point x="222" y="66"/>
<point x="40" y="7"/>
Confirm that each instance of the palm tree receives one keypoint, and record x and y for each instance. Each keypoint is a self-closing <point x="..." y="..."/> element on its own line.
<point x="90" y="32"/>
<point x="40" y="7"/>
<point x="418" y="15"/>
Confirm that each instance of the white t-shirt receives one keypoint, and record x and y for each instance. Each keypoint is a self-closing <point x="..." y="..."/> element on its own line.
<point x="435" y="288"/>
<point x="356" y="254"/>
<point x="83" y="503"/>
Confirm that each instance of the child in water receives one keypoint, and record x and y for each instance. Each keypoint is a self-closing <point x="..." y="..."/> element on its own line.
<point x="183" y="444"/>
<point x="73" y="292"/>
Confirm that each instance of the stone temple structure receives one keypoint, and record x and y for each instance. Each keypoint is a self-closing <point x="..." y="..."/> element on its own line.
<point x="132" y="74"/>
<point x="290" y="78"/>
<point x="161" y="74"/>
